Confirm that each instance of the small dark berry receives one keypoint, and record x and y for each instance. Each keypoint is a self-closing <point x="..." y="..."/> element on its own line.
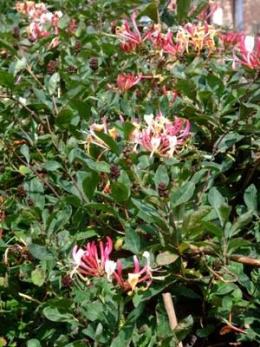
<point x="163" y="190"/>
<point x="30" y="202"/>
<point x="77" y="47"/>
<point x="136" y="188"/>
<point x="71" y="69"/>
<point x="21" y="191"/>
<point x="16" y="32"/>
<point x="114" y="171"/>
<point x="52" y="66"/>
<point x="66" y="281"/>
<point x="93" y="63"/>
<point x="113" y="28"/>
<point x="127" y="151"/>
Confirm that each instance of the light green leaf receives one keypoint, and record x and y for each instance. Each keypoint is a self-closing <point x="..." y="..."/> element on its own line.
<point x="250" y="197"/>
<point x="120" y="191"/>
<point x="55" y="315"/>
<point x="25" y="152"/>
<point x="182" y="194"/>
<point x="52" y="83"/>
<point x="161" y="176"/>
<point x="38" y="277"/>
<point x="132" y="241"/>
<point x="166" y="258"/>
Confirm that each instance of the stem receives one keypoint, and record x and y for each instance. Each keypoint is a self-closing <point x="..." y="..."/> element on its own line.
<point x="237" y="258"/>
<point x="169" y="307"/>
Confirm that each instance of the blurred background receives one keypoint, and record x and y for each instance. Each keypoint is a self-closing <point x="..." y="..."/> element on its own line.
<point x="240" y="15"/>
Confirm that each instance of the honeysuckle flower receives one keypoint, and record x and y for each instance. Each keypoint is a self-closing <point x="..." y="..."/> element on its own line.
<point x="139" y="275"/>
<point x="163" y="42"/>
<point x="110" y="267"/>
<point x="126" y="81"/>
<point x="198" y="36"/>
<point x="230" y="38"/>
<point x="162" y="136"/>
<point x="92" y="137"/>
<point x="31" y="9"/>
<point x="130" y="38"/>
<point x="247" y="52"/>
<point x="93" y="260"/>
<point x="42" y="22"/>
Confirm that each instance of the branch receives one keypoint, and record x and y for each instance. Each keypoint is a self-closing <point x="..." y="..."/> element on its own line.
<point x="237" y="258"/>
<point x="168" y="304"/>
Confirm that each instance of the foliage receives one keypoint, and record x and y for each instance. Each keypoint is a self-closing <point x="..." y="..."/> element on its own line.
<point x="64" y="182"/>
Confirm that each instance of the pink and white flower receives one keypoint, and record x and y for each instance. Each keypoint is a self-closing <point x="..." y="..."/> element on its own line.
<point x="130" y="281"/>
<point x="164" y="42"/>
<point x="247" y="52"/>
<point x="42" y="22"/>
<point x="93" y="260"/>
<point x="161" y="135"/>
<point x="126" y="81"/>
<point x="130" y="38"/>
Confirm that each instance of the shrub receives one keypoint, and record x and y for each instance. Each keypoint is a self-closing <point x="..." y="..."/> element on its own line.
<point x="129" y="161"/>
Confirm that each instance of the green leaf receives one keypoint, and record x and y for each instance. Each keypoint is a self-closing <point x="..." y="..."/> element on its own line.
<point x="120" y="192"/>
<point x="161" y="176"/>
<point x="6" y="79"/>
<point x="18" y="66"/>
<point x="183" y="7"/>
<point x="25" y="152"/>
<point x="40" y="252"/>
<point x="184" y="327"/>
<point x="38" y="277"/>
<point x="52" y="83"/>
<point x="250" y="197"/>
<point x="132" y="241"/>
<point x="88" y="182"/>
<point x="6" y="45"/>
<point x="65" y="118"/>
<point x="200" y="5"/>
<point x="24" y="170"/>
<point x="108" y="141"/>
<point x="98" y="166"/>
<point x="217" y="201"/>
<point x="125" y="334"/>
<point x="204" y="332"/>
<point x="166" y="258"/>
<point x="228" y="141"/>
<point x="150" y="11"/>
<point x="52" y="165"/>
<point x="84" y="235"/>
<point x="94" y="311"/>
<point x="243" y="220"/>
<point x="35" y="190"/>
<point x="182" y="194"/>
<point x="33" y="343"/>
<point x="54" y="314"/>
<point x="186" y="87"/>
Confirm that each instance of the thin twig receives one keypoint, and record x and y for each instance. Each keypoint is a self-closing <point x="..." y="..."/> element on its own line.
<point x="237" y="258"/>
<point x="169" y="307"/>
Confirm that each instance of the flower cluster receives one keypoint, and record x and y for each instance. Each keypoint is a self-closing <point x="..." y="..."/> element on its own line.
<point x="161" y="135"/>
<point x="42" y="22"/>
<point x="197" y="36"/>
<point x="247" y="52"/>
<point x="230" y="39"/>
<point x="94" y="260"/>
<point x="130" y="38"/>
